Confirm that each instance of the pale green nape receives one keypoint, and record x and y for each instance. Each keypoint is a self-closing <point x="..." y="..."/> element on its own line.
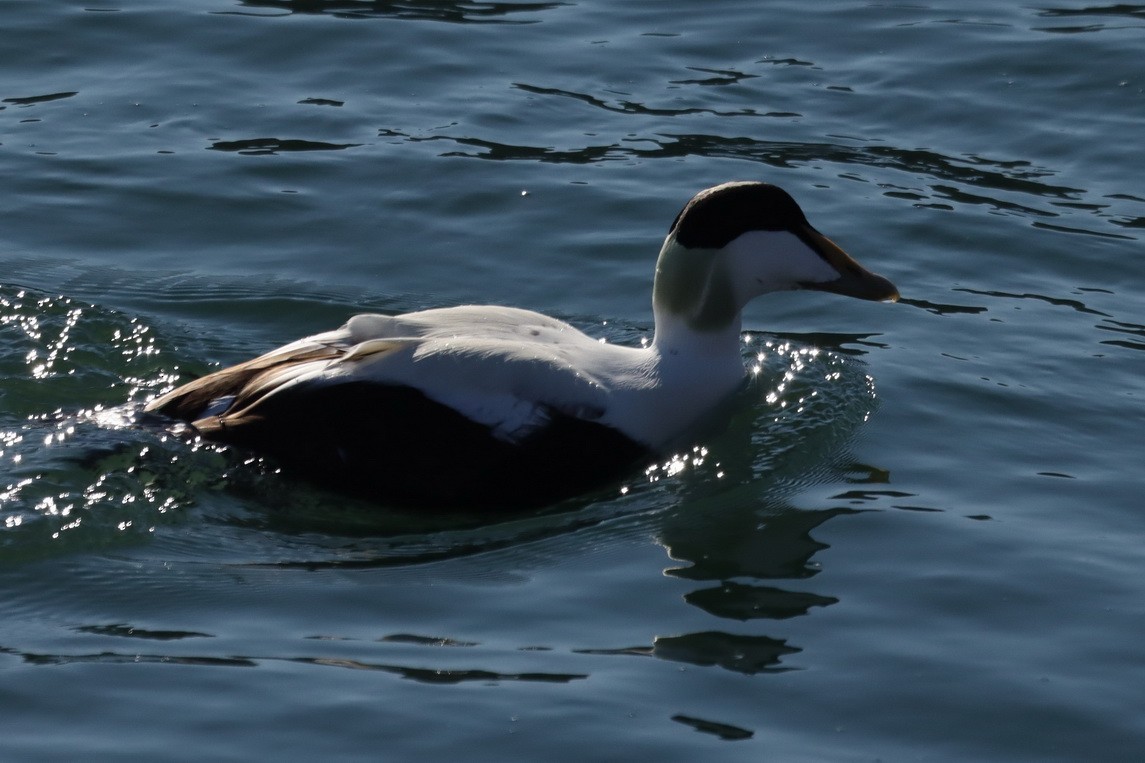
<point x="695" y="284"/>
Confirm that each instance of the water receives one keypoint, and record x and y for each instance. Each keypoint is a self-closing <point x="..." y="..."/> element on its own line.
<point x="917" y="540"/>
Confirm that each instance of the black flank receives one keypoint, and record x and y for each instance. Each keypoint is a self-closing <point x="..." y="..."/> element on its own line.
<point x="393" y="444"/>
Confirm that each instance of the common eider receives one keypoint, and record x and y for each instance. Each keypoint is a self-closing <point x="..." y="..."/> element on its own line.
<point x="488" y="407"/>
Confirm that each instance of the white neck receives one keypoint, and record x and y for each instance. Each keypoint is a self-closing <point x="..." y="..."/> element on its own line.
<point x="676" y="337"/>
<point x="695" y="303"/>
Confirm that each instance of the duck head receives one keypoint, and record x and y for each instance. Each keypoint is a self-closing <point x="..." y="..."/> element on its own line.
<point x="736" y="241"/>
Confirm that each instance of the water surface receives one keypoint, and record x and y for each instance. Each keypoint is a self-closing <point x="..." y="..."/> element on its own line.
<point x="916" y="539"/>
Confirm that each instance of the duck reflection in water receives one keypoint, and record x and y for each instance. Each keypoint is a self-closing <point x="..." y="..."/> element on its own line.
<point x="778" y="547"/>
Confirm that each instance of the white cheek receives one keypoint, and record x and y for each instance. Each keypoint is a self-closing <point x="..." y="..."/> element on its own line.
<point x="776" y="260"/>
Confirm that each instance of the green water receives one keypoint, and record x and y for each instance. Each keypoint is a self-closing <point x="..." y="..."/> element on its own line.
<point x="918" y="538"/>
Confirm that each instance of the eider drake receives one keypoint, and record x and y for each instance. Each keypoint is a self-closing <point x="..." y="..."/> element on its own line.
<point x="501" y="408"/>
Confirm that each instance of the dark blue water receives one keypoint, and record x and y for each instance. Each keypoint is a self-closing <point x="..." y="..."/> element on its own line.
<point x="918" y="539"/>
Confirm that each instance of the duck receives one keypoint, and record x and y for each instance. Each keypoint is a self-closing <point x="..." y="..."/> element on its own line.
<point x="485" y="407"/>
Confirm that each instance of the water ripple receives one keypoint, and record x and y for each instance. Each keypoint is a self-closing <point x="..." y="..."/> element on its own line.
<point x="634" y="107"/>
<point x="270" y="146"/>
<point x="1119" y="11"/>
<point x="1006" y="186"/>
<point x="32" y="99"/>
<point x="415" y="10"/>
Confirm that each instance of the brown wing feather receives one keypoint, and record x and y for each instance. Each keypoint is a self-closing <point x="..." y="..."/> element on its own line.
<point x="190" y="400"/>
